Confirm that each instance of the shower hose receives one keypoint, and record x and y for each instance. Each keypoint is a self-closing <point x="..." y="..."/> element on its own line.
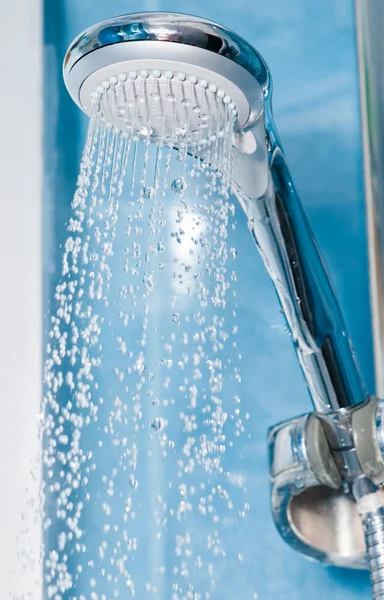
<point x="370" y="505"/>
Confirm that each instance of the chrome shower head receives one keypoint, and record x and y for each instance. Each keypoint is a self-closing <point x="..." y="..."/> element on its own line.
<point x="174" y="63"/>
<point x="169" y="51"/>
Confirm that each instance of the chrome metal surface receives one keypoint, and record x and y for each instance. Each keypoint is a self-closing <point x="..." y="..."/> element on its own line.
<point x="367" y="431"/>
<point x="315" y="463"/>
<point x="311" y="509"/>
<point x="147" y="42"/>
<point x="291" y="255"/>
<point x="169" y="27"/>
<point x="370" y="26"/>
<point x="370" y="503"/>
<point x="329" y="522"/>
<point x="373" y="524"/>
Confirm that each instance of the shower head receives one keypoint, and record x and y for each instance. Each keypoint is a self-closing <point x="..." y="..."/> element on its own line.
<point x="178" y="79"/>
<point x="176" y="58"/>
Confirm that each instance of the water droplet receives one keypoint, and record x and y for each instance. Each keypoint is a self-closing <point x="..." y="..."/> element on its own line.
<point x="179" y="185"/>
<point x="133" y="482"/>
<point x="158" y="423"/>
<point x="171" y="98"/>
<point x="148" y="192"/>
<point x="121" y="112"/>
<point x="180" y="131"/>
<point x="176" y="318"/>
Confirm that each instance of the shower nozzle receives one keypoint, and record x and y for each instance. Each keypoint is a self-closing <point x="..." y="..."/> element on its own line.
<point x="161" y="45"/>
<point x="172" y="60"/>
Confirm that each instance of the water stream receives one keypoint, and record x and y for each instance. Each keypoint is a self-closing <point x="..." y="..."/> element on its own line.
<point x="142" y="402"/>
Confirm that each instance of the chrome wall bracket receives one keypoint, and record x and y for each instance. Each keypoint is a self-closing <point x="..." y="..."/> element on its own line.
<point x="314" y="459"/>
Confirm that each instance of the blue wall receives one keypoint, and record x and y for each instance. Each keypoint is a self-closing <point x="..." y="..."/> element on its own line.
<point x="310" y="49"/>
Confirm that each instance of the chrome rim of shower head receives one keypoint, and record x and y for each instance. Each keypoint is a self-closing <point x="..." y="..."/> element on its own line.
<point x="175" y="57"/>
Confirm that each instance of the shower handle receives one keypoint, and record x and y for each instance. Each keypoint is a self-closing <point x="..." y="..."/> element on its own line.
<point x="278" y="224"/>
<point x="316" y="459"/>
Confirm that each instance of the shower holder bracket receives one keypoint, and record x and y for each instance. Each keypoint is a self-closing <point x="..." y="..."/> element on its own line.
<point x="314" y="459"/>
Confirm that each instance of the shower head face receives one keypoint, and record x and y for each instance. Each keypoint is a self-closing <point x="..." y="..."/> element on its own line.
<point x="170" y="62"/>
<point x="164" y="107"/>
